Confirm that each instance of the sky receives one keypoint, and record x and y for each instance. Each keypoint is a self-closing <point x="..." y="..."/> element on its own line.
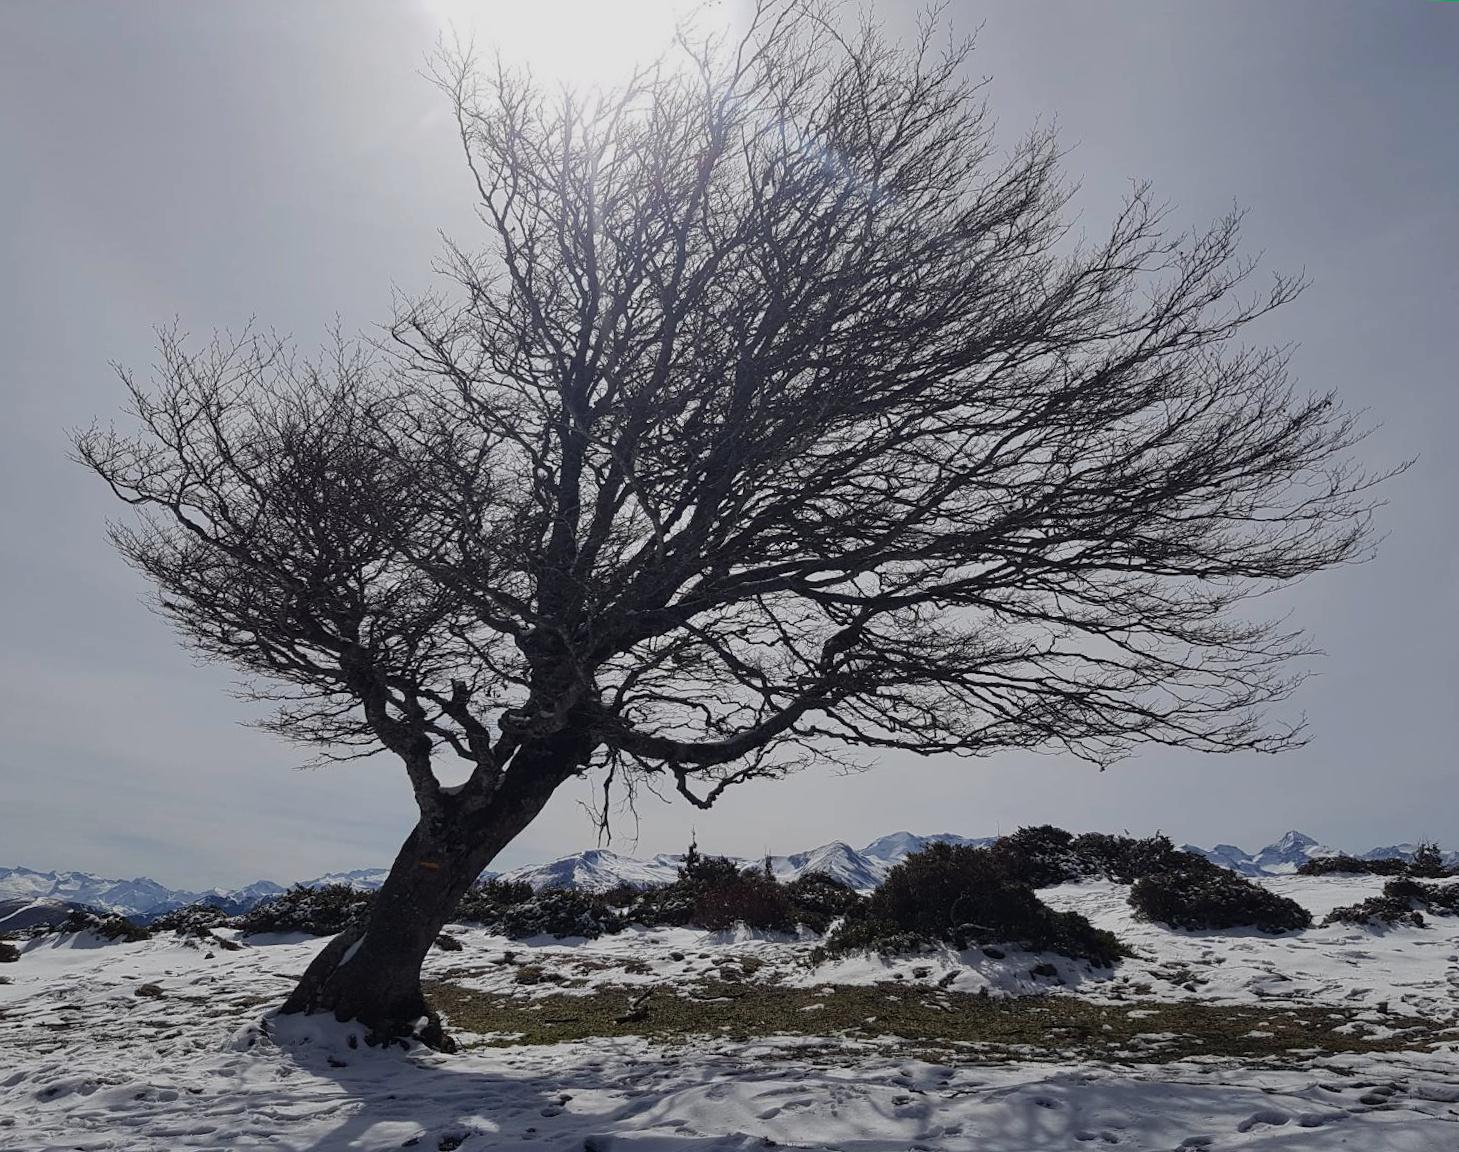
<point x="288" y="163"/>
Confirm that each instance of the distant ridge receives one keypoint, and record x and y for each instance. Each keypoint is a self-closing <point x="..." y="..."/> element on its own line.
<point x="597" y="870"/>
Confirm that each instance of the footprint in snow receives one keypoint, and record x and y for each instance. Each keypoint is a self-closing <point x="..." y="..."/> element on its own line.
<point x="1265" y="1116"/>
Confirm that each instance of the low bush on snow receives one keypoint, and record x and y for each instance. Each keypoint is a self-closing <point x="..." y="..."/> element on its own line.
<point x="1427" y="863"/>
<point x="1403" y="901"/>
<point x="1192" y="892"/>
<point x="197" y="919"/>
<point x="1043" y="855"/>
<point x="109" y="927"/>
<point x="819" y="900"/>
<point x="484" y="902"/>
<point x="510" y="908"/>
<point x="321" y="911"/>
<point x="558" y="912"/>
<point x="964" y="896"/>
<point x="716" y="893"/>
<point x="1353" y="866"/>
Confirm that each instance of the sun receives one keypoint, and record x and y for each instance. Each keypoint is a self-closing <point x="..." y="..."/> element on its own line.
<point x="575" y="42"/>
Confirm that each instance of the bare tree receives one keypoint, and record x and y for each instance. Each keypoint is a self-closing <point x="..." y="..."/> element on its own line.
<point x="781" y="413"/>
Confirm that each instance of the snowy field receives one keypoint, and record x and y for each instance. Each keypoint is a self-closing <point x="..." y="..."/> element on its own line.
<point x="165" y="1045"/>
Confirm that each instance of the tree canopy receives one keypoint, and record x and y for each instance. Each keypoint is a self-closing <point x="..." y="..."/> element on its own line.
<point x="776" y="411"/>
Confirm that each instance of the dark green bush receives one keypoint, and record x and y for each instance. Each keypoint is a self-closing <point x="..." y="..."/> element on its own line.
<point x="321" y="911"/>
<point x="623" y="895"/>
<point x="750" y="897"/>
<point x="1192" y="892"/>
<point x="817" y="900"/>
<point x="484" y="902"/>
<point x="558" y="912"/>
<point x="1044" y="855"/>
<point x="1440" y="898"/>
<point x="716" y="893"/>
<point x="109" y="927"/>
<point x="197" y="919"/>
<point x="1124" y="858"/>
<point x="964" y="896"/>
<point x="120" y="928"/>
<point x="1427" y="862"/>
<point x="511" y="908"/>
<point x="1039" y="856"/>
<point x="1353" y="865"/>
<point x="662" y="906"/>
<point x="1401" y="903"/>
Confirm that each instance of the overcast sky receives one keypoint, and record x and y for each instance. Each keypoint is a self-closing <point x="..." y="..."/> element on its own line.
<point x="284" y="161"/>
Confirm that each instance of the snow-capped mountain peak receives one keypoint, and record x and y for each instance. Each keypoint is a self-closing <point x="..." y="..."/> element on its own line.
<point x="596" y="870"/>
<point x="837" y="860"/>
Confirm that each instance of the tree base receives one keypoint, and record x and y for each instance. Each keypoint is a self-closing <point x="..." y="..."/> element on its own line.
<point x="386" y="999"/>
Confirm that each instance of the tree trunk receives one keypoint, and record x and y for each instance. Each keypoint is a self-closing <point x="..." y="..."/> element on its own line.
<point x="372" y="974"/>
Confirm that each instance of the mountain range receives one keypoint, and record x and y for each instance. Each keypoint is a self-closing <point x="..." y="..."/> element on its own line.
<point x="23" y="892"/>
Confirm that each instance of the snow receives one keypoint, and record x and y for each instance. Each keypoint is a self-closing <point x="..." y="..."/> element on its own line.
<point x="86" y="1062"/>
<point x="1413" y="970"/>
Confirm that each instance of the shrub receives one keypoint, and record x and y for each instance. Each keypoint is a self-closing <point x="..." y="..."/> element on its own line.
<point x="703" y="871"/>
<point x="109" y="927"/>
<point x="193" y="919"/>
<point x="1195" y="893"/>
<point x="1384" y="909"/>
<point x="1124" y="858"/>
<point x="1428" y="861"/>
<point x="963" y="896"/>
<point x="120" y="928"/>
<point x="714" y="892"/>
<point x="817" y="900"/>
<point x="750" y="897"/>
<point x="664" y="905"/>
<point x="511" y="908"/>
<point x="321" y="911"/>
<point x="1039" y="856"/>
<point x="1440" y="898"/>
<point x="624" y="895"/>
<point x="485" y="901"/>
<point x="1043" y="855"/>
<point x="1353" y="865"/>
<point x="558" y="912"/>
<point x="1400" y="903"/>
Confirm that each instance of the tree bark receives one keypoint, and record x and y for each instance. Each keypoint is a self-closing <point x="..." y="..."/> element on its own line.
<point x="372" y="973"/>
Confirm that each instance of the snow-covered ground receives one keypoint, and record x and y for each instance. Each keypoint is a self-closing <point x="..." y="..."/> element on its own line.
<point x="91" y="1057"/>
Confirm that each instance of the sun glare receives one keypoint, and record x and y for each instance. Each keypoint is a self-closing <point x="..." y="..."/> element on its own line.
<point x="577" y="42"/>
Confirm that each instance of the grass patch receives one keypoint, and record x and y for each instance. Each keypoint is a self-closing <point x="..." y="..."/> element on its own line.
<point x="956" y="1026"/>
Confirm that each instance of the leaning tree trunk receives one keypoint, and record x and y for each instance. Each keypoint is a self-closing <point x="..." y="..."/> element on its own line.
<point x="371" y="973"/>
